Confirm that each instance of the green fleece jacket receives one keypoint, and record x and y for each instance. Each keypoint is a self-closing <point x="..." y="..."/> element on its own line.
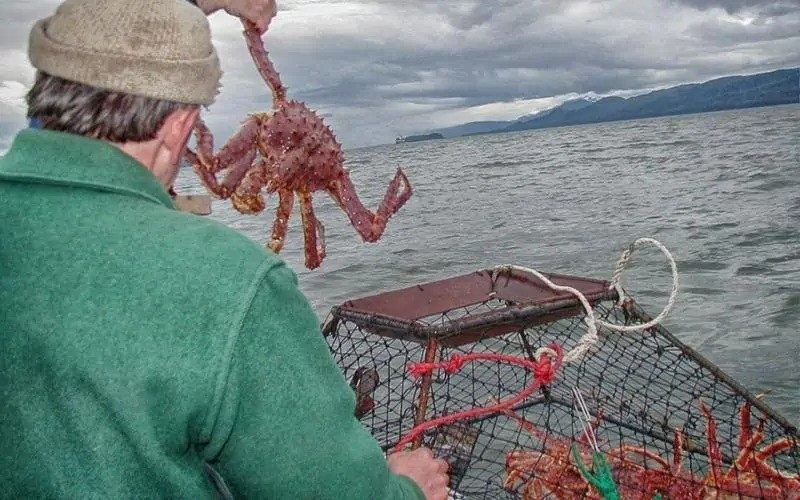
<point x="138" y="343"/>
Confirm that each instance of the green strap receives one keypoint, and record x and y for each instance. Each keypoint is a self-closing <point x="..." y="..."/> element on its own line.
<point x="603" y="481"/>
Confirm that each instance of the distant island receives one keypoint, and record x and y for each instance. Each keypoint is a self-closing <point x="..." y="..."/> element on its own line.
<point x="420" y="137"/>
<point x="732" y="92"/>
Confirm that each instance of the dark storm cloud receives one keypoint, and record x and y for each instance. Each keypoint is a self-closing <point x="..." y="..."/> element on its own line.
<point x="558" y="52"/>
<point x="378" y="68"/>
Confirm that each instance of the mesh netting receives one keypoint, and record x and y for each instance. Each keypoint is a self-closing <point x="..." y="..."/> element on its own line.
<point x="647" y="394"/>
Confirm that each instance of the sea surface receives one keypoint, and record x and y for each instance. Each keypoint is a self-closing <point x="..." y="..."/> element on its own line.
<point x="720" y="190"/>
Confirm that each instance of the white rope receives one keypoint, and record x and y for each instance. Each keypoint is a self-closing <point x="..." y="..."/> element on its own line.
<point x="590" y="338"/>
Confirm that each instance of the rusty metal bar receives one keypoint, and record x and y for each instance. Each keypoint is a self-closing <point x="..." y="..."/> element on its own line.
<point x="425" y="390"/>
<point x="469" y="328"/>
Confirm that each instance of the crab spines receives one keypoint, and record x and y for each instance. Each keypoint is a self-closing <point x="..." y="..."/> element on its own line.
<point x="241" y="143"/>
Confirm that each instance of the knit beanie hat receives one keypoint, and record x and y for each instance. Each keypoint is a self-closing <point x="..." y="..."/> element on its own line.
<point x="153" y="48"/>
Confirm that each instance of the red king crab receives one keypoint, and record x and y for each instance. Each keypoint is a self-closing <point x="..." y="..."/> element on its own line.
<point x="554" y="471"/>
<point x="289" y="151"/>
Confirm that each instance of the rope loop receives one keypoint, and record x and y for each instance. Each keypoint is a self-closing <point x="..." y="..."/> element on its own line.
<point x="590" y="339"/>
<point x="616" y="278"/>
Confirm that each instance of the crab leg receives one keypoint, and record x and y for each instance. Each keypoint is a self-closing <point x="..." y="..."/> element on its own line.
<point x="677" y="453"/>
<point x="747" y="451"/>
<point x="371" y="226"/>
<point x="538" y="491"/>
<point x="281" y="224"/>
<point x="774" y="449"/>
<point x="645" y="453"/>
<point x="744" y="425"/>
<point x="313" y="232"/>
<point x="203" y="162"/>
<point x="255" y="44"/>
<point x="758" y="461"/>
<point x="238" y="154"/>
<point x="714" y="453"/>
<point x="247" y="197"/>
<point x="749" y="457"/>
<point x="748" y="462"/>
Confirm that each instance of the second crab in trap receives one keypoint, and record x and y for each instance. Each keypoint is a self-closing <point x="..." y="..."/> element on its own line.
<point x="669" y="423"/>
<point x="289" y="152"/>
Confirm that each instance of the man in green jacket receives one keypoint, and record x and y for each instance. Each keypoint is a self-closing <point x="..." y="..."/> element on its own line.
<point x="143" y="346"/>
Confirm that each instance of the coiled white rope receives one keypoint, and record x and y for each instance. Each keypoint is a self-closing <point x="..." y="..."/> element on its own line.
<point x="590" y="338"/>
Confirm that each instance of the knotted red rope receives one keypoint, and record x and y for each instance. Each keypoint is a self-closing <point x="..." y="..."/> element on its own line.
<point x="544" y="372"/>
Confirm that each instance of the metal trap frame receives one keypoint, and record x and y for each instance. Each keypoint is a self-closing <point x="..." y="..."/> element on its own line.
<point x="672" y="423"/>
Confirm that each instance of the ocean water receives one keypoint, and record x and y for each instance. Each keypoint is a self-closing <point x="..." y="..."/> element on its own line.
<point x="720" y="190"/>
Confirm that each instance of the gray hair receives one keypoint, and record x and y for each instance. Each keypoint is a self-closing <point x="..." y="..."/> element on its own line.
<point x="66" y="106"/>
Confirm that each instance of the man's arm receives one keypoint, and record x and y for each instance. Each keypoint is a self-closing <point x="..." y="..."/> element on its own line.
<point x="286" y="427"/>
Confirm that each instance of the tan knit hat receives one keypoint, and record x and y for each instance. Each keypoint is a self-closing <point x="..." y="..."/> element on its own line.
<point x="154" y="48"/>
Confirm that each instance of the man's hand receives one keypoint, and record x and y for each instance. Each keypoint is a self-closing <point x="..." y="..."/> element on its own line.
<point x="428" y="472"/>
<point x="259" y="12"/>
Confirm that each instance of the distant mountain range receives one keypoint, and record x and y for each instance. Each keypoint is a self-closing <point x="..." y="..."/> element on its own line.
<point x="732" y="92"/>
<point x="417" y="138"/>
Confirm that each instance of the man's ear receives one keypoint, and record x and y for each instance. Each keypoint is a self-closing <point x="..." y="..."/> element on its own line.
<point x="175" y="132"/>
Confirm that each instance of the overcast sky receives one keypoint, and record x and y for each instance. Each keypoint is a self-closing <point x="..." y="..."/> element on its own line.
<point x="376" y="69"/>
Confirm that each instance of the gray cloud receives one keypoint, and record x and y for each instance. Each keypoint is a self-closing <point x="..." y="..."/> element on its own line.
<point x="378" y="68"/>
<point x="761" y="7"/>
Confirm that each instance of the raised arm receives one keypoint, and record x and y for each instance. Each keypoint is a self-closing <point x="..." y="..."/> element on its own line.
<point x="260" y="12"/>
<point x="286" y="425"/>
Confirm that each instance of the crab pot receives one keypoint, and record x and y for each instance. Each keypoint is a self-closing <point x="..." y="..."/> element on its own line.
<point x="667" y="420"/>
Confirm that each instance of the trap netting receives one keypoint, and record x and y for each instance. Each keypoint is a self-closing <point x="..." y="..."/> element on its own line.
<point x="473" y="367"/>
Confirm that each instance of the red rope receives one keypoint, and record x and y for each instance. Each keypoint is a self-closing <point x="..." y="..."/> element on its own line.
<point x="544" y="372"/>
